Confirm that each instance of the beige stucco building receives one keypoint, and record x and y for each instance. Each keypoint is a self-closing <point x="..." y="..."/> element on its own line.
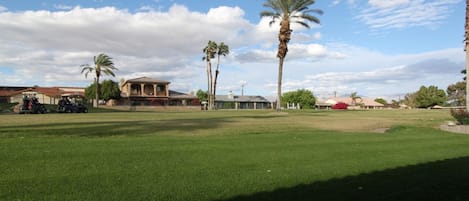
<point x="149" y="91"/>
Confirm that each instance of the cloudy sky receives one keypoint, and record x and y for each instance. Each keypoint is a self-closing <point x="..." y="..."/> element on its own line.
<point x="378" y="48"/>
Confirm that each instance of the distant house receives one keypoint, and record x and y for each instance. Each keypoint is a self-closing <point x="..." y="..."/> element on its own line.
<point x="362" y="103"/>
<point x="322" y="105"/>
<point x="7" y="91"/>
<point x="149" y="91"/>
<point x="45" y="95"/>
<point x="231" y="101"/>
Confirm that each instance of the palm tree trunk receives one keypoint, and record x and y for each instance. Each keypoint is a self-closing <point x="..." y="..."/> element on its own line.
<point x="215" y="85"/>
<point x="467" y="70"/>
<point x="210" y="86"/>
<point x="217" y="72"/>
<point x="97" y="92"/>
<point x="279" y="84"/>
<point x="283" y="37"/>
<point x="466" y="38"/>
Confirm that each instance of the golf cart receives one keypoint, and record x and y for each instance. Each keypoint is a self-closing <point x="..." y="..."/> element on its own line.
<point x="71" y="104"/>
<point x="31" y="105"/>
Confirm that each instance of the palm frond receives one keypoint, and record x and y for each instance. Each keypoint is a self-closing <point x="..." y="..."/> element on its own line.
<point x="108" y="71"/>
<point x="317" y="11"/>
<point x="210" y="50"/>
<point x="274" y="5"/>
<point x="307" y="17"/>
<point x="103" y="64"/>
<point x="288" y="9"/>
<point x="223" y="49"/>
<point x="302" y="23"/>
<point x="268" y="14"/>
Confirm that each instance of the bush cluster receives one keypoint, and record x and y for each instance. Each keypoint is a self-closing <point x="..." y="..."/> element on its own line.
<point x="461" y="115"/>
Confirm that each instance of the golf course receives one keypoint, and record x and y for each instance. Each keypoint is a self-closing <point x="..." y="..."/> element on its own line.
<point x="233" y="156"/>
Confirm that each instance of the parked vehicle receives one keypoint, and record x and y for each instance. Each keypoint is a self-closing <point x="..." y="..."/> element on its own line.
<point x="67" y="106"/>
<point x="32" y="106"/>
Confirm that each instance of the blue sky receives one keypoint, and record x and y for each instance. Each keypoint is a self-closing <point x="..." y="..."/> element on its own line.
<point x="378" y="48"/>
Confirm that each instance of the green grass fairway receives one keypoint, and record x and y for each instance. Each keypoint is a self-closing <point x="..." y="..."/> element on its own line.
<point x="232" y="156"/>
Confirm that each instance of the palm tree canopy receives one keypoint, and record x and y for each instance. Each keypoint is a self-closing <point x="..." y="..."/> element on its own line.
<point x="102" y="64"/>
<point x="210" y="50"/>
<point x="223" y="49"/>
<point x="296" y="11"/>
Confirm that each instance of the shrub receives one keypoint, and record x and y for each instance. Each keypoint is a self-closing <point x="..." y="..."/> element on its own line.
<point x="340" y="106"/>
<point x="461" y="115"/>
<point x="7" y="107"/>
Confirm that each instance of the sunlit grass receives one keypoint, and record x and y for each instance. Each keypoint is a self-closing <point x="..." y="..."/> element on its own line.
<point x="223" y="155"/>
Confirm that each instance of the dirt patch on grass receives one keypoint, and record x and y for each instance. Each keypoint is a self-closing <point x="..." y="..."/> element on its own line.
<point x="463" y="129"/>
<point x="380" y="130"/>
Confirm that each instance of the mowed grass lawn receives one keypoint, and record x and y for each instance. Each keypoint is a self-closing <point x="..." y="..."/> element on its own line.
<point x="233" y="156"/>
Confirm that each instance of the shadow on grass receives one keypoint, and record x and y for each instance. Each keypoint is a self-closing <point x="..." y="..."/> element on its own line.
<point x="112" y="128"/>
<point x="125" y="128"/>
<point x="441" y="180"/>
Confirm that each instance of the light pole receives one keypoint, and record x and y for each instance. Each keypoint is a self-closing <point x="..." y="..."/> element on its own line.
<point x="243" y="83"/>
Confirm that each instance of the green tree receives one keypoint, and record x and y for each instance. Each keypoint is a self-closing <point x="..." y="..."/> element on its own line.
<point x="381" y="100"/>
<point x="102" y="65"/>
<point x="409" y="99"/>
<point x="354" y="96"/>
<point x="287" y="12"/>
<point x="202" y="95"/>
<point x="427" y="97"/>
<point x="457" y="94"/>
<point x="304" y="97"/>
<point x="108" y="89"/>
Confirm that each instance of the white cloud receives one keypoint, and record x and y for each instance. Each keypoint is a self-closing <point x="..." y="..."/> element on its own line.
<point x="394" y="14"/>
<point x="146" y="9"/>
<point x="296" y="51"/>
<point x="408" y="72"/>
<point x="51" y="45"/>
<point x="387" y="3"/>
<point x="62" y="7"/>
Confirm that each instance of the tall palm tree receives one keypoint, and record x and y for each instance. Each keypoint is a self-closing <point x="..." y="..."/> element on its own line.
<point x="222" y="50"/>
<point x="210" y="50"/>
<point x="466" y="39"/>
<point x="287" y="12"/>
<point x="102" y="64"/>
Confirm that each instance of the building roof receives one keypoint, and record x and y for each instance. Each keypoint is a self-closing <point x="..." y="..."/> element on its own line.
<point x="48" y="91"/>
<point x="227" y="98"/>
<point x="347" y="100"/>
<point x="175" y="94"/>
<point x="146" y="80"/>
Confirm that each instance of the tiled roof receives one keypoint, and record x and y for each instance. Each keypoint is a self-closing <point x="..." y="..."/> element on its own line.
<point x="48" y="91"/>
<point x="175" y="94"/>
<point x="348" y="101"/>
<point x="146" y="80"/>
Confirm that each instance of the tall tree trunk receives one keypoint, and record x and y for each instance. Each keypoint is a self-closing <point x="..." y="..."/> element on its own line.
<point x="466" y="38"/>
<point x="215" y="86"/>
<point x="283" y="37"/>
<point x="210" y="86"/>
<point x="217" y="72"/>
<point x="97" y="91"/>
<point x="279" y="84"/>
